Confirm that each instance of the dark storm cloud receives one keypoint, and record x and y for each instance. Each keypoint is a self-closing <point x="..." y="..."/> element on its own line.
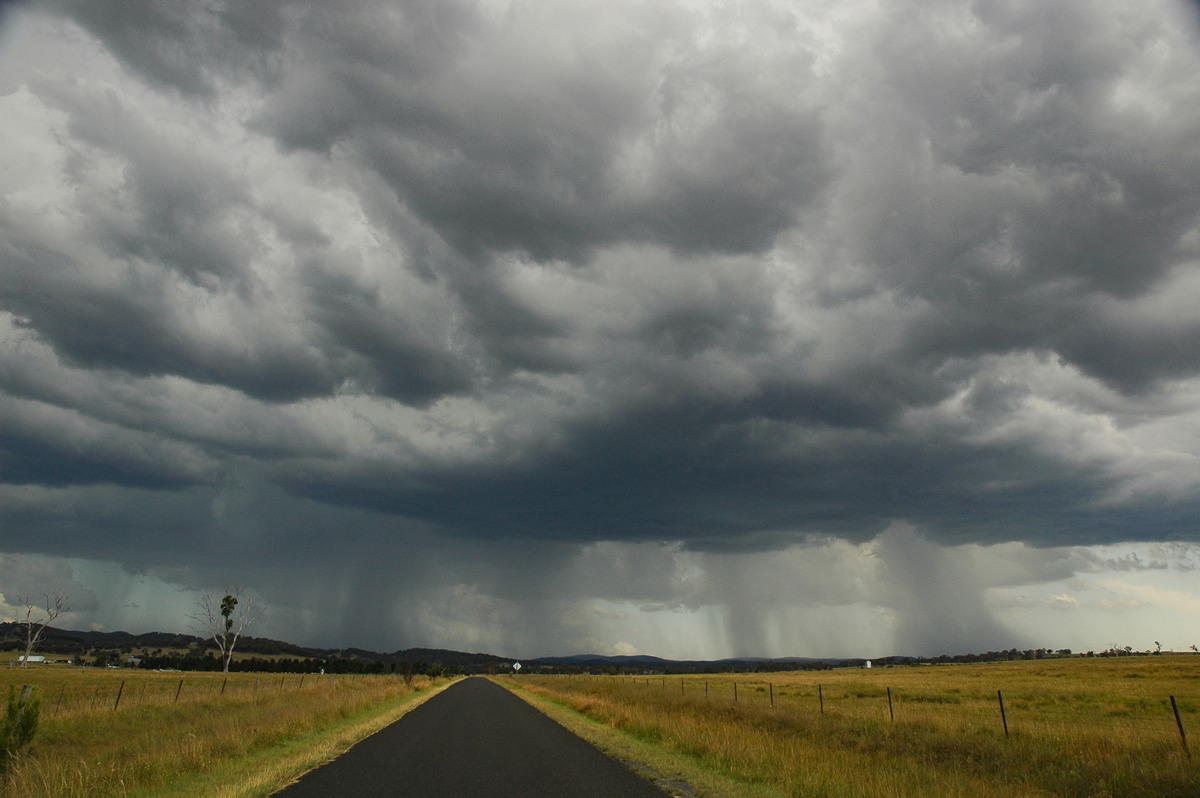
<point x="165" y="275"/>
<point x="749" y="486"/>
<point x="191" y="48"/>
<point x="537" y="275"/>
<point x="1024" y="184"/>
<point x="502" y="132"/>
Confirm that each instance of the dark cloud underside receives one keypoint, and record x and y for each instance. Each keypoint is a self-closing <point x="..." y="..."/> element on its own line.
<point x="727" y="277"/>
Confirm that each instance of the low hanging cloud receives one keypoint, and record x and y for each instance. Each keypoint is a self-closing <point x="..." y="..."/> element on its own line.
<point x="464" y="279"/>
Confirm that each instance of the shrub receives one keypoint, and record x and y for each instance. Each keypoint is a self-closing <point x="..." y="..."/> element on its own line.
<point x="18" y="725"/>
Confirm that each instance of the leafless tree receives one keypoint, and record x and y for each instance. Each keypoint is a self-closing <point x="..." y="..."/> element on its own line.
<point x="224" y="620"/>
<point x="38" y="617"/>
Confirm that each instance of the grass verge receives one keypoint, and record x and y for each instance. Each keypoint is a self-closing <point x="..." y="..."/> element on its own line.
<point x="129" y="733"/>
<point x="679" y="775"/>
<point x="263" y="773"/>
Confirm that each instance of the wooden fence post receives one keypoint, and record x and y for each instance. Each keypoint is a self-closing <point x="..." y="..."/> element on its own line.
<point x="891" y="713"/>
<point x="1179" y="723"/>
<point x="58" y="705"/>
<point x="772" y="686"/>
<point x="117" y="703"/>
<point x="821" y="698"/>
<point x="178" y="690"/>
<point x="1003" y="717"/>
<point x="735" y="692"/>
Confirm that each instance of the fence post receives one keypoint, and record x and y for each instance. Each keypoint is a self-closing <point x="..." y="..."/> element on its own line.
<point x="1179" y="723"/>
<point x="821" y="698"/>
<point x="735" y="692"/>
<point x="1003" y="717"/>
<point x="891" y="714"/>
<point x="178" y="690"/>
<point x="58" y="705"/>
<point x="117" y="703"/>
<point x="223" y="685"/>
<point x="772" y="686"/>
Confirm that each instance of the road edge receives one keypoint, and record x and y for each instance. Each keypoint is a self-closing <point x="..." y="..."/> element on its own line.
<point x="675" y="774"/>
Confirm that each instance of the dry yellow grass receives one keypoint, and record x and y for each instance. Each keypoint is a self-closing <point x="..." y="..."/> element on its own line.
<point x="1078" y="727"/>
<point x="241" y="735"/>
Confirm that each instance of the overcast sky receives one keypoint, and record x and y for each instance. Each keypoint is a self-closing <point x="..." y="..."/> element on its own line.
<point x="690" y="328"/>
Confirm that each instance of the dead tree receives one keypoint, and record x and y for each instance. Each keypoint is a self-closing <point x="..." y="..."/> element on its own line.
<point x="223" y="620"/>
<point x="37" y="618"/>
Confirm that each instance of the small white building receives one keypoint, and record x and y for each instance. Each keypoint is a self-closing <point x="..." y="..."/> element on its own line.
<point x="32" y="659"/>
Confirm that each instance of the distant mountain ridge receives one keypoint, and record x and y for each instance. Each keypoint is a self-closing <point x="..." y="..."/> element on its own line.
<point x="163" y="649"/>
<point x="67" y="643"/>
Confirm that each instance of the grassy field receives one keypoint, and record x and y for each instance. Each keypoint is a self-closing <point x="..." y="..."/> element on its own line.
<point x="1076" y="727"/>
<point x="139" y="733"/>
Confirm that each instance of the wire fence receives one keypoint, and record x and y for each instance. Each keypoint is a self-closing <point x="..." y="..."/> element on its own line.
<point x="1078" y="712"/>
<point x="82" y="695"/>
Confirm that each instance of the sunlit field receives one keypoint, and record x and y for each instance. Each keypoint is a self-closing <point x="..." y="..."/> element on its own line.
<point x="139" y="733"/>
<point x="1075" y="727"/>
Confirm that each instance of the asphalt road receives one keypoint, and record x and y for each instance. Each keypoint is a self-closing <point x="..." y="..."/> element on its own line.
<point x="472" y="740"/>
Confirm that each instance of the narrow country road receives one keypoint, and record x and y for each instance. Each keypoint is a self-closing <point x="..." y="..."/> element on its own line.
<point x="473" y="740"/>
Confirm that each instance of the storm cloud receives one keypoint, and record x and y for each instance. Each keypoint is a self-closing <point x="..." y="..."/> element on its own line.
<point x="465" y="308"/>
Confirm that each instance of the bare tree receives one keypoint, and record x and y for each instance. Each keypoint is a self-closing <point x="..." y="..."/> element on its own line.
<point x="37" y="618"/>
<point x="224" y="620"/>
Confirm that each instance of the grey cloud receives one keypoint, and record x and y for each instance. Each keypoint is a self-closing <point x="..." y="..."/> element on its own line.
<point x="388" y="354"/>
<point x="159" y="409"/>
<point x="50" y="446"/>
<point x="682" y="465"/>
<point x="181" y="241"/>
<point x="677" y="473"/>
<point x="178" y="207"/>
<point x="511" y="283"/>
<point x="182" y="46"/>
<point x="1015" y="183"/>
<point x="33" y="578"/>
<point x="139" y="333"/>
<point x="518" y="135"/>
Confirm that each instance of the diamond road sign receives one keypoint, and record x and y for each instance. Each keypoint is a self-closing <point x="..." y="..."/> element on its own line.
<point x="516" y="666"/>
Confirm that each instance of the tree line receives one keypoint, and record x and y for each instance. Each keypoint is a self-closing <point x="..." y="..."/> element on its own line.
<point x="210" y="662"/>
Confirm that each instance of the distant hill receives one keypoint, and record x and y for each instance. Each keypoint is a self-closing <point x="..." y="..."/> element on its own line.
<point x="179" y="649"/>
<point x="168" y="649"/>
<point x="189" y="652"/>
